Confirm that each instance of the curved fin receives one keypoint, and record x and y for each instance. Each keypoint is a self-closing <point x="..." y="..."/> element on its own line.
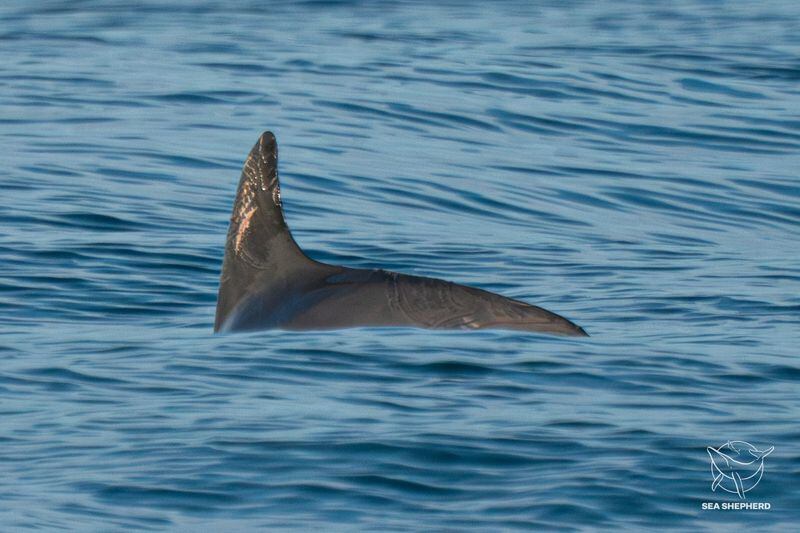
<point x="758" y="454"/>
<point x="258" y="238"/>
<point x="267" y="281"/>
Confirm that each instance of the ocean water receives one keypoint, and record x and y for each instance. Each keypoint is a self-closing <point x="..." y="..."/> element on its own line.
<point x="633" y="167"/>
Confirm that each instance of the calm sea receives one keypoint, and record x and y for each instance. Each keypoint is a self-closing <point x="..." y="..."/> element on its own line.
<point x="632" y="166"/>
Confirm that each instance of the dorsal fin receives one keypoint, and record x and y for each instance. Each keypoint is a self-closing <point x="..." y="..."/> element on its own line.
<point x="259" y="242"/>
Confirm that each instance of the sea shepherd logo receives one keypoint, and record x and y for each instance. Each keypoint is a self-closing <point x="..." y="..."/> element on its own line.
<point x="737" y="467"/>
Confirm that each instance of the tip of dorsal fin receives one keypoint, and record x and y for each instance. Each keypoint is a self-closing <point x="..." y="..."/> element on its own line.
<point x="258" y="201"/>
<point x="259" y="242"/>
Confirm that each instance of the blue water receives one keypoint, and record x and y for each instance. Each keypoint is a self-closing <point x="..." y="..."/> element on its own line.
<point x="632" y="167"/>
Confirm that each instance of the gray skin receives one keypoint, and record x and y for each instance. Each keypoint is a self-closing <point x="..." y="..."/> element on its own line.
<point x="268" y="282"/>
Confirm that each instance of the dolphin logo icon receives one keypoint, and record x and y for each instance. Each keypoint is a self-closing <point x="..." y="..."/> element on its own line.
<point x="737" y="466"/>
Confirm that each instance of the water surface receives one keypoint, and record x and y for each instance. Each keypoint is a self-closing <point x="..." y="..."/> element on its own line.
<point x="632" y="167"/>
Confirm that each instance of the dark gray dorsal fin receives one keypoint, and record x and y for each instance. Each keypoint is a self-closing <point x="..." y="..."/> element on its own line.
<point x="259" y="242"/>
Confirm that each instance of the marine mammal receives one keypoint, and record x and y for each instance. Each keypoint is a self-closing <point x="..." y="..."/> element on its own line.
<point x="268" y="282"/>
<point x="737" y="466"/>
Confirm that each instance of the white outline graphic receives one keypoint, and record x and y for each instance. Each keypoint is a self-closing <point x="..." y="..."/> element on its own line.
<point x="737" y="466"/>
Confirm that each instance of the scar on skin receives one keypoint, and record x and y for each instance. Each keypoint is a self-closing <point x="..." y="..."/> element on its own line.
<point x="244" y="223"/>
